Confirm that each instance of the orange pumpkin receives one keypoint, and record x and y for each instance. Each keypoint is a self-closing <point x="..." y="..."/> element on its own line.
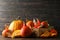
<point x="16" y="25"/>
<point x="30" y="24"/>
<point x="53" y="32"/>
<point x="6" y="32"/>
<point x="16" y="33"/>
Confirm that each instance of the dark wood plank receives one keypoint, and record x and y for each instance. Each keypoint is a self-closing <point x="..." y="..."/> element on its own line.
<point x="22" y="0"/>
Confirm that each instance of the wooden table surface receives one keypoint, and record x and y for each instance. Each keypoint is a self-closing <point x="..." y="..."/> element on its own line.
<point x="2" y="38"/>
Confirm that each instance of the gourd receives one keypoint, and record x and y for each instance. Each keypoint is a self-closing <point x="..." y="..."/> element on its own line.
<point x="16" y="25"/>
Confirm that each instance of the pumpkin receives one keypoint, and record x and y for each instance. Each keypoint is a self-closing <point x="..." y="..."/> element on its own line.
<point x="16" y="25"/>
<point x="44" y="24"/>
<point x="16" y="33"/>
<point x="30" y="24"/>
<point x="53" y="32"/>
<point x="6" y="32"/>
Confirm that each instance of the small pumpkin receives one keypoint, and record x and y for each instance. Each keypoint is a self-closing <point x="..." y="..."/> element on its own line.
<point x="6" y="32"/>
<point x="30" y="24"/>
<point x="16" y="33"/>
<point x="53" y="33"/>
<point x="16" y="25"/>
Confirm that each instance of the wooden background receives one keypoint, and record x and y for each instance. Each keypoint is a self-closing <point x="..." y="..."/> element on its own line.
<point x="42" y="9"/>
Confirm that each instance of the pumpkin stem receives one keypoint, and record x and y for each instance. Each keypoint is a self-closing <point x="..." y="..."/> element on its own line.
<point x="27" y="19"/>
<point x="6" y="26"/>
<point x="18" y="18"/>
<point x="24" y="24"/>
